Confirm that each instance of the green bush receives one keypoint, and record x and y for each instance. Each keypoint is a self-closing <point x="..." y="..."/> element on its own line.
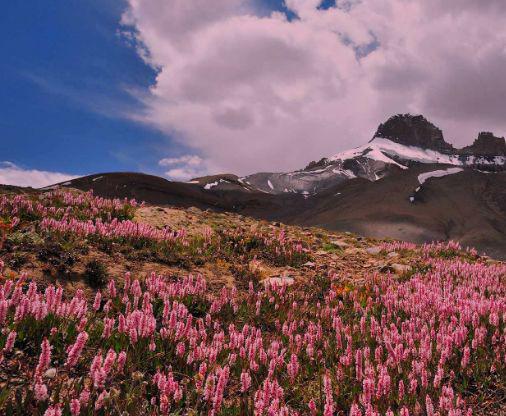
<point x="96" y="273"/>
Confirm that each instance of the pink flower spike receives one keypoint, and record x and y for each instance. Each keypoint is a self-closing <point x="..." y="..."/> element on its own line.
<point x="40" y="392"/>
<point x="76" y="349"/>
<point x="75" y="407"/>
<point x="9" y="344"/>
<point x="44" y="358"/>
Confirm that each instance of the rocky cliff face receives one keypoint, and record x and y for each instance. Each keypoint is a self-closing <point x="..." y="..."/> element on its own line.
<point x="411" y="130"/>
<point x="486" y="145"/>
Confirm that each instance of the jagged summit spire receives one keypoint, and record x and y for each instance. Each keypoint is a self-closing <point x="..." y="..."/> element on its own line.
<point x="486" y="145"/>
<point x="413" y="130"/>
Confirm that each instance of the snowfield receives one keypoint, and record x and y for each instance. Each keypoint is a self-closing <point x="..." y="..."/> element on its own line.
<point x="437" y="174"/>
<point x="383" y="150"/>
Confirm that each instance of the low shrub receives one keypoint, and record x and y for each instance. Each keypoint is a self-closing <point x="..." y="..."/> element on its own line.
<point x="96" y="274"/>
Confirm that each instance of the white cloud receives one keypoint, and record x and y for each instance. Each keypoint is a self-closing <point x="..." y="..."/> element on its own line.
<point x="253" y="92"/>
<point x="184" y="167"/>
<point x="11" y="174"/>
<point x="183" y="174"/>
<point x="190" y="160"/>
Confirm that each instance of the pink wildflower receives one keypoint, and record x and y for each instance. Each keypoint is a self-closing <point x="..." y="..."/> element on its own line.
<point x="9" y="343"/>
<point x="75" y="407"/>
<point x="40" y="390"/>
<point x="245" y="381"/>
<point x="121" y="361"/>
<point x="96" y="303"/>
<point x="84" y="397"/>
<point x="76" y="349"/>
<point x="53" y="411"/>
<point x="44" y="358"/>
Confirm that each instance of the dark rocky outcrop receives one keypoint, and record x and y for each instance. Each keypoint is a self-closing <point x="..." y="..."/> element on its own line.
<point x="411" y="130"/>
<point x="317" y="164"/>
<point x="486" y="145"/>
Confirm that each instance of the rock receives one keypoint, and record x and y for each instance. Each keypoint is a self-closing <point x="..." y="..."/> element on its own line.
<point x="309" y="264"/>
<point x="50" y="373"/>
<point x="486" y="145"/>
<point x="315" y="165"/>
<point x="411" y="130"/>
<point x="392" y="254"/>
<point x="400" y="268"/>
<point x="373" y="250"/>
<point x="354" y="250"/>
<point x="339" y="244"/>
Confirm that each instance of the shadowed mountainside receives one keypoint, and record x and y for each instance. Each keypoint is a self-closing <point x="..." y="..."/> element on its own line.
<point x="469" y="206"/>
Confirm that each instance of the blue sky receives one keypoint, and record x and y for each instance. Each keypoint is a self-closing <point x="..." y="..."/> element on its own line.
<point x="64" y="74"/>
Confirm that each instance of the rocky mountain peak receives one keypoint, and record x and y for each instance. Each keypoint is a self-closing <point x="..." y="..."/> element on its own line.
<point x="413" y="130"/>
<point x="486" y="145"/>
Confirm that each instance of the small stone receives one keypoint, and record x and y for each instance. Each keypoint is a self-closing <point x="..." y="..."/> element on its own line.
<point x="401" y="268"/>
<point x="309" y="264"/>
<point x="373" y="250"/>
<point x="50" y="373"/>
<point x="339" y="244"/>
<point x="392" y="254"/>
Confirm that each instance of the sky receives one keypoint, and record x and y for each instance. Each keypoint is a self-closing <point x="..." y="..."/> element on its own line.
<point x="185" y="88"/>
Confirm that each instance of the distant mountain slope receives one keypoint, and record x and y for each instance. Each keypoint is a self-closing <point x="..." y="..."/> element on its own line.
<point x="402" y="141"/>
<point x="159" y="191"/>
<point x="406" y="183"/>
<point x="468" y="206"/>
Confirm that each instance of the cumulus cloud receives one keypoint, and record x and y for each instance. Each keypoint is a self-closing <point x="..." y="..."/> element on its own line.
<point x="252" y="91"/>
<point x="190" y="160"/>
<point x="11" y="174"/>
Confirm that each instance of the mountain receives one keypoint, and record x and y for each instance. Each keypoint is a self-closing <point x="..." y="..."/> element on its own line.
<point x="403" y="141"/>
<point x="407" y="182"/>
<point x="486" y="145"/>
<point x="465" y="205"/>
<point x="416" y="131"/>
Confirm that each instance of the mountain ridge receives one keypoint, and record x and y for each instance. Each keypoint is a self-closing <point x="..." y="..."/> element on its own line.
<point x="384" y="188"/>
<point x="402" y="141"/>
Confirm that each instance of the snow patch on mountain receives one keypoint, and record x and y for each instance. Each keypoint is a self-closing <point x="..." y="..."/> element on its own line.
<point x="437" y="174"/>
<point x="482" y="160"/>
<point x="211" y="185"/>
<point x="383" y="150"/>
<point x="403" y="142"/>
